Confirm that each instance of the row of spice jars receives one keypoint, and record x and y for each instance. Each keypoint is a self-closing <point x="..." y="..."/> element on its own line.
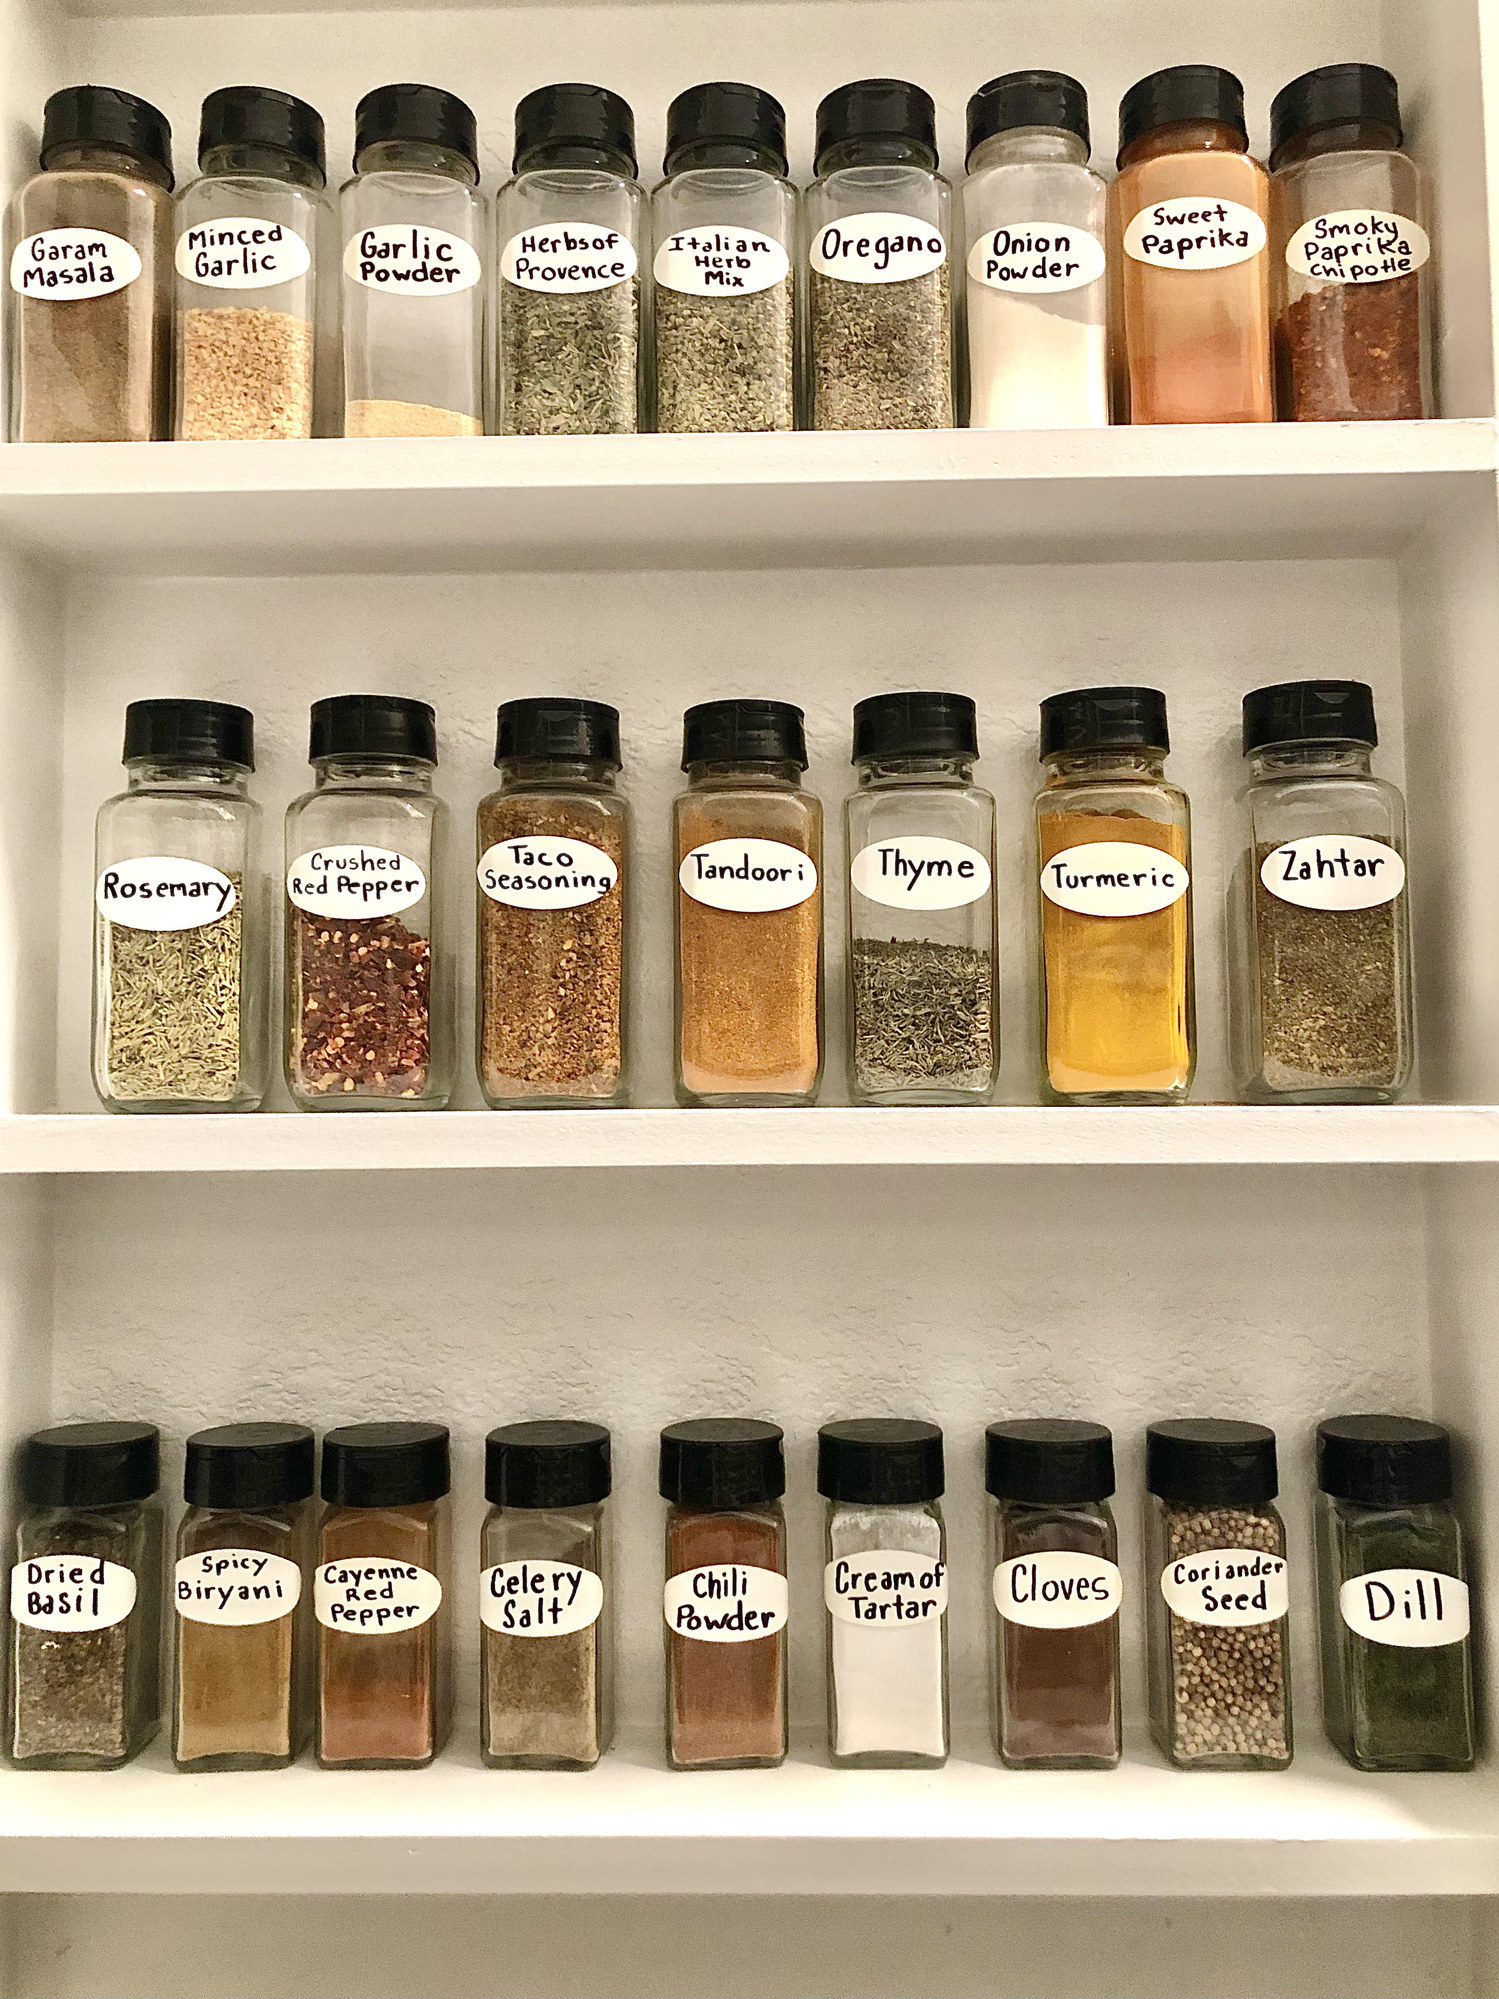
<point x="372" y="1662"/>
<point x="216" y="316"/>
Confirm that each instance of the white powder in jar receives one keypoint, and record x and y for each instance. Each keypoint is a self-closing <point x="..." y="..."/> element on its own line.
<point x="888" y="1693"/>
<point x="1032" y="367"/>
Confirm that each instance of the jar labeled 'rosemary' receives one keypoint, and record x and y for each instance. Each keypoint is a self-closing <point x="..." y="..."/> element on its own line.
<point x="568" y="237"/>
<point x="724" y="226"/>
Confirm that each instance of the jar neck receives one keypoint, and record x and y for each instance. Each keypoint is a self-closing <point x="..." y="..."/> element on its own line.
<point x="265" y="162"/>
<point x="771" y="771"/>
<point x="372" y="774"/>
<point x="1029" y="145"/>
<point x="1312" y="760"/>
<point x="150" y="774"/>
<point x="87" y="158"/>
<point x="1357" y="135"/>
<point x="889" y="151"/>
<point x="1138" y="765"/>
<point x="591" y="771"/>
<point x="1191" y="135"/>
<point x="915" y="770"/>
<point x="416" y="156"/>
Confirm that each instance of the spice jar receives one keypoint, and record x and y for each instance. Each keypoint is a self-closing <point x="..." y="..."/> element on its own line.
<point x="724" y="226"/>
<point x="85" y="1597"/>
<point x="725" y="1599"/>
<point x="413" y="268"/>
<point x="749" y="909"/>
<point x="1397" y="1677"/>
<point x="885" y="1588"/>
<point x="552" y="889"/>
<point x="380" y="1595"/>
<point x="921" y="916"/>
<point x="89" y="246"/>
<point x="1114" y="840"/>
<point x="1054" y="1638"/>
<point x="1322" y="964"/>
<point x="879" y="235"/>
<point x="179" y="947"/>
<point x="544" y="1598"/>
<point x="244" y="1548"/>
<point x="1188" y="257"/>
<point x="250" y="232"/>
<point x="1216" y="1597"/>
<point x="569" y="246"/>
<point x="1033" y="209"/>
<point x="1351" y="252"/>
<point x="368" y="1019"/>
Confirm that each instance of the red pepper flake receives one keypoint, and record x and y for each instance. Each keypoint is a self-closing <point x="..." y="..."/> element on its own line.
<point x="364" y="1024"/>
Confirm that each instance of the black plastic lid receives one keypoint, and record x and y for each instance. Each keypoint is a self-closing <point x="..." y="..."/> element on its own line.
<point x="1384" y="1460"/>
<point x="574" y="125"/>
<point x="91" y="1464"/>
<point x="1191" y="92"/>
<point x="1047" y="1461"/>
<point x="1211" y="1462"/>
<point x="915" y="725"/>
<point x="555" y="729"/>
<point x="372" y="726"/>
<point x="547" y="1464"/>
<point x="245" y="115"/>
<point x="419" y="112"/>
<point x="1344" y="93"/>
<point x="725" y="125"/>
<point x="720" y="1462"/>
<point x="249" y="1465"/>
<point x="880" y="1461"/>
<point x="1309" y="711"/>
<point x="1104" y="718"/>
<point x="1028" y="97"/>
<point x="743" y="732"/>
<point x="90" y="114"/>
<point x="385" y="1464"/>
<point x="189" y="732"/>
<point x="876" y="111"/>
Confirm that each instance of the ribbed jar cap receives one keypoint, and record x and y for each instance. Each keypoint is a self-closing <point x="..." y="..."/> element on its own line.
<point x="1104" y="718"/>
<point x="547" y="1464"/>
<point x="915" y="725"/>
<point x="1044" y="99"/>
<point x="243" y="114"/>
<point x="1309" y="711"/>
<point x="173" y="731"/>
<point x="372" y="727"/>
<point x="245" y="1466"/>
<point x="555" y="729"/>
<point x="1211" y="1462"/>
<point x="1341" y="93"/>
<point x="385" y="1464"/>
<point x="880" y="1461"/>
<point x="718" y="1463"/>
<point x="419" y="113"/>
<point x="90" y="1464"/>
<point x="744" y="732"/>
<point x="871" y="113"/>
<point x="725" y="125"/>
<point x="92" y="114"/>
<point x="1049" y="1461"/>
<point x="1384" y="1460"/>
<point x="574" y="125"/>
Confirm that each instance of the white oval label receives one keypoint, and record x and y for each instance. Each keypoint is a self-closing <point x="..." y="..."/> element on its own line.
<point x="1358" y="246"/>
<point x="1233" y="1586"/>
<point x="1036" y="257"/>
<point x="752" y="875"/>
<point x="718" y="260"/>
<point x="71" y="1593"/>
<point x="886" y="1587"/>
<point x="920" y="871"/>
<point x="1196" y="233"/>
<point x="372" y="1596"/>
<point x="236" y="1586"/>
<point x="161" y="892"/>
<point x="725" y="1603"/>
<point x="242" y="253"/>
<point x="568" y="257"/>
<point x="1113" y="878"/>
<point x="1413" y="1608"/>
<point x="68" y="264"/>
<point x="539" y="1599"/>
<point x="354" y="881"/>
<point x="546" y="873"/>
<point x="404" y="260"/>
<point x="878" y="249"/>
<point x="1337" y="871"/>
<point x="1056" y="1591"/>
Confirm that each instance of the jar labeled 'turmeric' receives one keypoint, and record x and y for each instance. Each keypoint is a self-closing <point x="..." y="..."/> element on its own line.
<point x="1216" y="1597"/>
<point x="179" y="946"/>
<point x="85" y="1597"/>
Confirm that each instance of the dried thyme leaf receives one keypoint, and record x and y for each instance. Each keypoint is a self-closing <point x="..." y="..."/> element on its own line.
<point x="923" y="1015"/>
<point x="881" y="354"/>
<point x="173" y="1010"/>
<point x="725" y="363"/>
<point x="568" y="361"/>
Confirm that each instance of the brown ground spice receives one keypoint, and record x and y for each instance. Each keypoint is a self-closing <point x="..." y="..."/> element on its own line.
<point x="1353" y="351"/>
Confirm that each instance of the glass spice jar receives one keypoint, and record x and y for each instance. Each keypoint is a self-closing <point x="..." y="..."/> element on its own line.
<point x="922" y="949"/>
<point x="749" y="909"/>
<point x="724" y="227"/>
<point x="1397" y="1675"/>
<point x="1188" y="257"/>
<point x="552" y="884"/>
<point x="179" y="987"/>
<point x="879" y="248"/>
<point x="413" y="226"/>
<point x="1033" y="210"/>
<point x="1054" y="1638"/>
<point x="1114" y="843"/>
<point x="368" y="1013"/>
<point x="85" y="1597"/>
<point x="547" y="1653"/>
<point x="1216" y="1597"/>
<point x="380" y="1594"/>
<point x="1351" y="252"/>
<point x="1322" y="960"/>
<point x="569" y="248"/>
<point x="725" y="1600"/>
<point x="89" y="250"/>
<point x="885" y="1589"/>
<point x="244" y="1549"/>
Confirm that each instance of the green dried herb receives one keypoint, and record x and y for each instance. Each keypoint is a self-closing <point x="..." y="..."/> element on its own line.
<point x="923" y="1016"/>
<point x="881" y="354"/>
<point x="725" y="363"/>
<point x="568" y="361"/>
<point x="172" y="1000"/>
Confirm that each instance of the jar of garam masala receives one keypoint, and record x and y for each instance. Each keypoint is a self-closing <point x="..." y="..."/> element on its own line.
<point x="1114" y="850"/>
<point x="749" y="909"/>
